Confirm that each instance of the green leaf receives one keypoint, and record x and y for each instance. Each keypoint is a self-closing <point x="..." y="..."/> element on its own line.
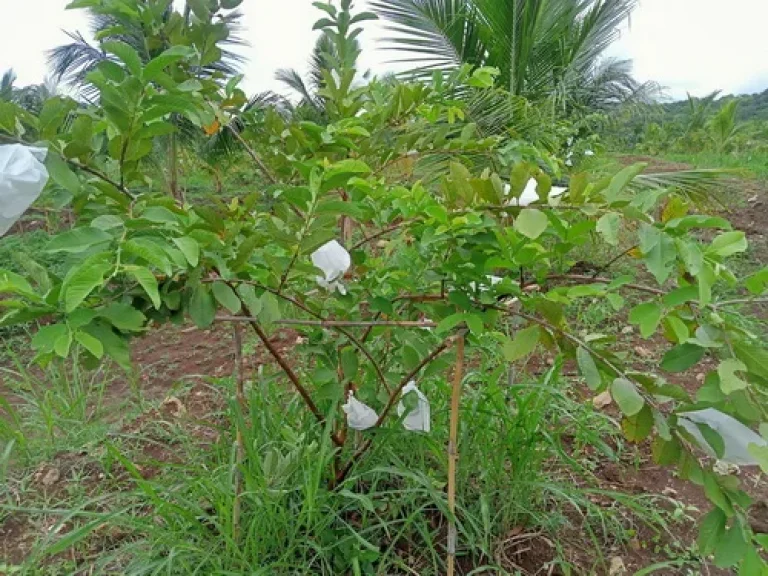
<point x="627" y="397"/>
<point x="752" y="565"/>
<point x="411" y="357"/>
<point x="270" y="309"/>
<point x="531" y="223"/>
<point x="190" y="248"/>
<point x="362" y="17"/>
<point x="712" y="438"/>
<point x="226" y="297"/>
<point x="81" y="282"/>
<point x="230" y="4"/>
<point x="755" y="358"/>
<point x="248" y="296"/>
<point x="711" y="531"/>
<point x="682" y="357"/>
<point x="62" y="174"/>
<point x="78" y="240"/>
<point x="90" y="343"/>
<point x="200" y="9"/>
<point x="114" y="346"/>
<point x="760" y="454"/>
<point x="523" y="344"/>
<point x="647" y="316"/>
<point x="47" y="338"/>
<point x="715" y="493"/>
<point x="202" y="308"/>
<point x="588" y="368"/>
<point x="349" y="362"/>
<point x="191" y="85"/>
<point x="731" y="548"/>
<point x="638" y="427"/>
<point x="450" y="322"/>
<point x="728" y="244"/>
<point x="124" y="317"/>
<point x="149" y="251"/>
<point x="620" y="181"/>
<point x="52" y="116"/>
<point x="126" y="53"/>
<point x="757" y="282"/>
<point x="729" y="382"/>
<point x="681" y="296"/>
<point x="659" y="252"/>
<point x="157" y="65"/>
<point x="148" y="282"/>
<point x="677" y="328"/>
<point x="608" y="227"/>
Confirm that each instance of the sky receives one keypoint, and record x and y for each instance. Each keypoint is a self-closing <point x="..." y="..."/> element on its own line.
<point x="694" y="46"/>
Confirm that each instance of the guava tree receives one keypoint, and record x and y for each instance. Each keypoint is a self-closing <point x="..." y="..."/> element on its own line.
<point x="397" y="237"/>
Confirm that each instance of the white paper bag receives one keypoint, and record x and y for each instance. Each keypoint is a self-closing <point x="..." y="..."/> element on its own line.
<point x="735" y="435"/>
<point x="333" y="259"/>
<point x="529" y="195"/>
<point x="418" y="419"/>
<point x="22" y="178"/>
<point x="360" y="416"/>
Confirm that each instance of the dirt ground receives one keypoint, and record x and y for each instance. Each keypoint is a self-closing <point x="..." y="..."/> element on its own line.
<point x="171" y="355"/>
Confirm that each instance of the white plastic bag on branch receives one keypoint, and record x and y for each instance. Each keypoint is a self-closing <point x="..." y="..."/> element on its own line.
<point x="735" y="435"/>
<point x="333" y="259"/>
<point x="360" y="416"/>
<point x="22" y="177"/>
<point x="529" y="195"/>
<point x="418" y="418"/>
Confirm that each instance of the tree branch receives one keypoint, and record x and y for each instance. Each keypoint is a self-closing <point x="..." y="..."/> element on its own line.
<point x="582" y="277"/>
<point x="337" y="323"/>
<point x="259" y="162"/>
<point x="393" y="398"/>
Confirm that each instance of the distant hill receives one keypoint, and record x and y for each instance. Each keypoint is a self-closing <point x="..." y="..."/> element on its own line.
<point x="752" y="107"/>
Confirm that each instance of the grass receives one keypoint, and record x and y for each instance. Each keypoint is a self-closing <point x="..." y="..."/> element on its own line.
<point x="165" y="500"/>
<point x="747" y="164"/>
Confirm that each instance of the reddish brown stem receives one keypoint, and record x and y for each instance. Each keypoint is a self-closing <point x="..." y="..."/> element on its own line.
<point x="393" y="400"/>
<point x="293" y="378"/>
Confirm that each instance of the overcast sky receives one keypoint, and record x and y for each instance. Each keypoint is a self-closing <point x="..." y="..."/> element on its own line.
<point x="686" y="45"/>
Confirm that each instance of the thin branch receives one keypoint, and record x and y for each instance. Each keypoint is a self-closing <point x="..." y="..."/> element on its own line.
<point x="74" y="164"/>
<point x="292" y="377"/>
<point x="240" y="441"/>
<point x="255" y="157"/>
<point x="739" y="301"/>
<point x="618" y="371"/>
<point x="103" y="177"/>
<point x="351" y="337"/>
<point x="613" y="261"/>
<point x="453" y="453"/>
<point x="582" y="277"/>
<point x="393" y="400"/>
<point x="379" y="234"/>
<point x="337" y="323"/>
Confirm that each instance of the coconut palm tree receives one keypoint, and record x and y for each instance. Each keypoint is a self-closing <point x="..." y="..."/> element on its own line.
<point x="7" y="89"/>
<point x="542" y="48"/>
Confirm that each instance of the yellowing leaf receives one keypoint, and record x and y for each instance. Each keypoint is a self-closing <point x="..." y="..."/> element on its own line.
<point x="531" y="223"/>
<point x="212" y="128"/>
<point x="729" y="382"/>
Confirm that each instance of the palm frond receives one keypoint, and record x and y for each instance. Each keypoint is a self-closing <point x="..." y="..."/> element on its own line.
<point x="6" y="85"/>
<point x="700" y="186"/>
